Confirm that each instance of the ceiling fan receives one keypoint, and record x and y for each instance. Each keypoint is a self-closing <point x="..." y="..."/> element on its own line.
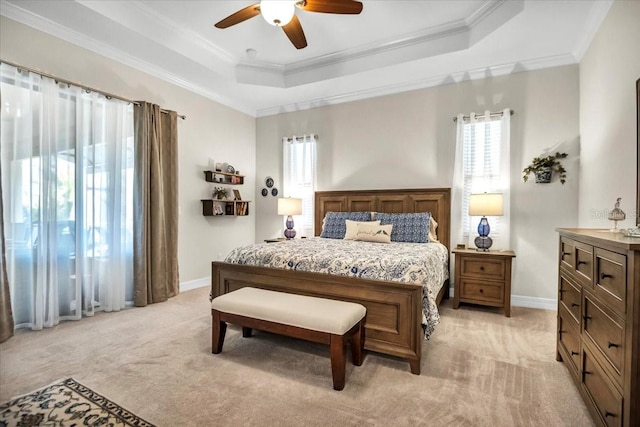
<point x="282" y="14"/>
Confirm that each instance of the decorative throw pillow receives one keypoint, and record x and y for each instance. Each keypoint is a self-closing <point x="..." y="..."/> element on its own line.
<point x="407" y="227"/>
<point x="334" y="223"/>
<point x="352" y="228"/>
<point x="371" y="232"/>
<point x="433" y="226"/>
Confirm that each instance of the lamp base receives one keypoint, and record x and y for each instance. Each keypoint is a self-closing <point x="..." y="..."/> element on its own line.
<point x="483" y="243"/>
<point x="289" y="233"/>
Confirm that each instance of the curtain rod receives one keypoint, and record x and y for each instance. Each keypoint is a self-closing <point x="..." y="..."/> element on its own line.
<point x="289" y="139"/>
<point x="497" y="113"/>
<point x="85" y="87"/>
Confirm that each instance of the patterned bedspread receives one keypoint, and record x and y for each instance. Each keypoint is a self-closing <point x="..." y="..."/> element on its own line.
<point x="421" y="263"/>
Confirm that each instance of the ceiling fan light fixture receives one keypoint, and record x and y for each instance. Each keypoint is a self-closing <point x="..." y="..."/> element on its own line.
<point x="277" y="12"/>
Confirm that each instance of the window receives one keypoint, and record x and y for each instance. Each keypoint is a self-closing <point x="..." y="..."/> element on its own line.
<point x="482" y="154"/>
<point x="299" y="174"/>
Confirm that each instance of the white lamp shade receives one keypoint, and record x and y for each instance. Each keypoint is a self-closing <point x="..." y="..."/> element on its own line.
<point x="485" y="204"/>
<point x="277" y="12"/>
<point x="289" y="206"/>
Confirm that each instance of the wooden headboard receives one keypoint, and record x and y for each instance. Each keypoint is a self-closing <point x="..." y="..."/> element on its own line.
<point x="434" y="200"/>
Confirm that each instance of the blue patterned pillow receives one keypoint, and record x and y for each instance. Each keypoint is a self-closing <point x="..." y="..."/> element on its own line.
<point x="335" y="226"/>
<point x="407" y="227"/>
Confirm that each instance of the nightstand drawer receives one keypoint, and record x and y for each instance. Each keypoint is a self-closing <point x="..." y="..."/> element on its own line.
<point x="482" y="267"/>
<point x="482" y="291"/>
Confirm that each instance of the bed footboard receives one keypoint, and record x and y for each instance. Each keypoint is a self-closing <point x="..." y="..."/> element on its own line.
<point x="394" y="310"/>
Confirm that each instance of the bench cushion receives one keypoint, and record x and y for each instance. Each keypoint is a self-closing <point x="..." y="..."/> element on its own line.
<point x="318" y="314"/>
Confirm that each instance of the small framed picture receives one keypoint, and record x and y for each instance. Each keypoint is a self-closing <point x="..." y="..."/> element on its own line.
<point x="217" y="209"/>
<point x="236" y="195"/>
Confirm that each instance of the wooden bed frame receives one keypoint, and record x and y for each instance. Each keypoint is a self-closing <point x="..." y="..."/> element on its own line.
<point x="394" y="309"/>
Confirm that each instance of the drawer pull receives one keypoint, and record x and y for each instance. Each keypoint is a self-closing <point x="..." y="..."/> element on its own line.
<point x="609" y="414"/>
<point x="605" y="276"/>
<point x="562" y="290"/>
<point x="587" y="318"/>
<point x="566" y="253"/>
<point x="482" y="268"/>
<point x="573" y="304"/>
<point x="574" y="353"/>
<point x="481" y="290"/>
<point x="612" y="345"/>
<point x="582" y="262"/>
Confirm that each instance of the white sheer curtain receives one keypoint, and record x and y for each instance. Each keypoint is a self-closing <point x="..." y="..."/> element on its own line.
<point x="482" y="165"/>
<point x="299" y="177"/>
<point x="67" y="179"/>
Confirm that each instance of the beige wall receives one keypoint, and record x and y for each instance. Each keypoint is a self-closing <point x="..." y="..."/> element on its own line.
<point x="211" y="130"/>
<point x="408" y="140"/>
<point x="608" y="73"/>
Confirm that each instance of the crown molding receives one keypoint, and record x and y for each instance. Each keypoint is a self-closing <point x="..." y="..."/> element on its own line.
<point x="597" y="14"/>
<point x="477" y="74"/>
<point x="47" y="26"/>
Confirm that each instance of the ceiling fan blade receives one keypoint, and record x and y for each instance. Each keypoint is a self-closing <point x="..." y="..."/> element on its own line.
<point x="293" y="30"/>
<point x="240" y="16"/>
<point x="350" y="7"/>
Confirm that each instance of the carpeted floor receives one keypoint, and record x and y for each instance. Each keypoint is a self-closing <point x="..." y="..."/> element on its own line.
<point x="479" y="369"/>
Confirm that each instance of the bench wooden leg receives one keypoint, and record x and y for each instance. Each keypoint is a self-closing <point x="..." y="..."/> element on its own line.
<point x="246" y="332"/>
<point x="338" y="361"/>
<point x="357" y="344"/>
<point x="218" y="331"/>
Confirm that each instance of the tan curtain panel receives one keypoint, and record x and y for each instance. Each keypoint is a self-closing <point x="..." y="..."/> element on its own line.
<point x="155" y="240"/>
<point x="6" y="315"/>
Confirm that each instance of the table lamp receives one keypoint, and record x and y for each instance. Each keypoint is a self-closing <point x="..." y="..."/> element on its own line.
<point x="485" y="204"/>
<point x="289" y="206"/>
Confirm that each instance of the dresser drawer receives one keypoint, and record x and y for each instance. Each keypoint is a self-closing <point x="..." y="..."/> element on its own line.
<point x="584" y="264"/>
<point x="482" y="267"/>
<point x="607" y="333"/>
<point x="486" y="292"/>
<point x="569" y="338"/>
<point x="610" y="280"/>
<point x="567" y="253"/>
<point x="569" y="296"/>
<point x="606" y="399"/>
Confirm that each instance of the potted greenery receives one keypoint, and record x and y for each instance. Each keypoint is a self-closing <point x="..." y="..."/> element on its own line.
<point x="543" y="168"/>
<point x="220" y="193"/>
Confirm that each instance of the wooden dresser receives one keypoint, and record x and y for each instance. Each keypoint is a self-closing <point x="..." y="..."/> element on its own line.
<point x="599" y="321"/>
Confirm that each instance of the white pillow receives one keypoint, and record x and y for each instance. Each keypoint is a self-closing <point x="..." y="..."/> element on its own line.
<point x="352" y="228"/>
<point x="369" y="232"/>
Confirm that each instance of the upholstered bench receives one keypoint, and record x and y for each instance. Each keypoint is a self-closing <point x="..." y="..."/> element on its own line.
<point x="313" y="319"/>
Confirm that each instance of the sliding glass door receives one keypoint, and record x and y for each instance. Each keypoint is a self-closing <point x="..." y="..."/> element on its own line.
<point x="67" y="178"/>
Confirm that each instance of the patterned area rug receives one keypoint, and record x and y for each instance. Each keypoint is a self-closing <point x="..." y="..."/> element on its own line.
<point x="66" y="403"/>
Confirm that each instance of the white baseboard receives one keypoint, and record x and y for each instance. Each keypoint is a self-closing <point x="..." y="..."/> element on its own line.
<point x="534" y="302"/>
<point x="528" y="302"/>
<point x="194" y="284"/>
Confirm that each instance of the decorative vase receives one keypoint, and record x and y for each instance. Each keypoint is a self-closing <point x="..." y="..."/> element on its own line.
<point x="543" y="175"/>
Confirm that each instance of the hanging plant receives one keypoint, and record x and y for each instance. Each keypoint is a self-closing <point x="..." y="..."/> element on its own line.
<point x="544" y="167"/>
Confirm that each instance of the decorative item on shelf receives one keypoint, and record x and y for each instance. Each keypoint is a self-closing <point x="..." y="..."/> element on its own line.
<point x="236" y="195"/>
<point x="274" y="192"/>
<point x="268" y="182"/>
<point x="217" y="209"/>
<point x="230" y="169"/>
<point x="265" y="192"/>
<point x="616" y="215"/>
<point x="485" y="204"/>
<point x="289" y="206"/>
<point x="218" y="167"/>
<point x="220" y="193"/>
<point x="544" y="167"/>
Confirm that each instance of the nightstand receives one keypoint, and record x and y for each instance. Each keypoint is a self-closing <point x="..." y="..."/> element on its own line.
<point x="279" y="239"/>
<point x="483" y="278"/>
